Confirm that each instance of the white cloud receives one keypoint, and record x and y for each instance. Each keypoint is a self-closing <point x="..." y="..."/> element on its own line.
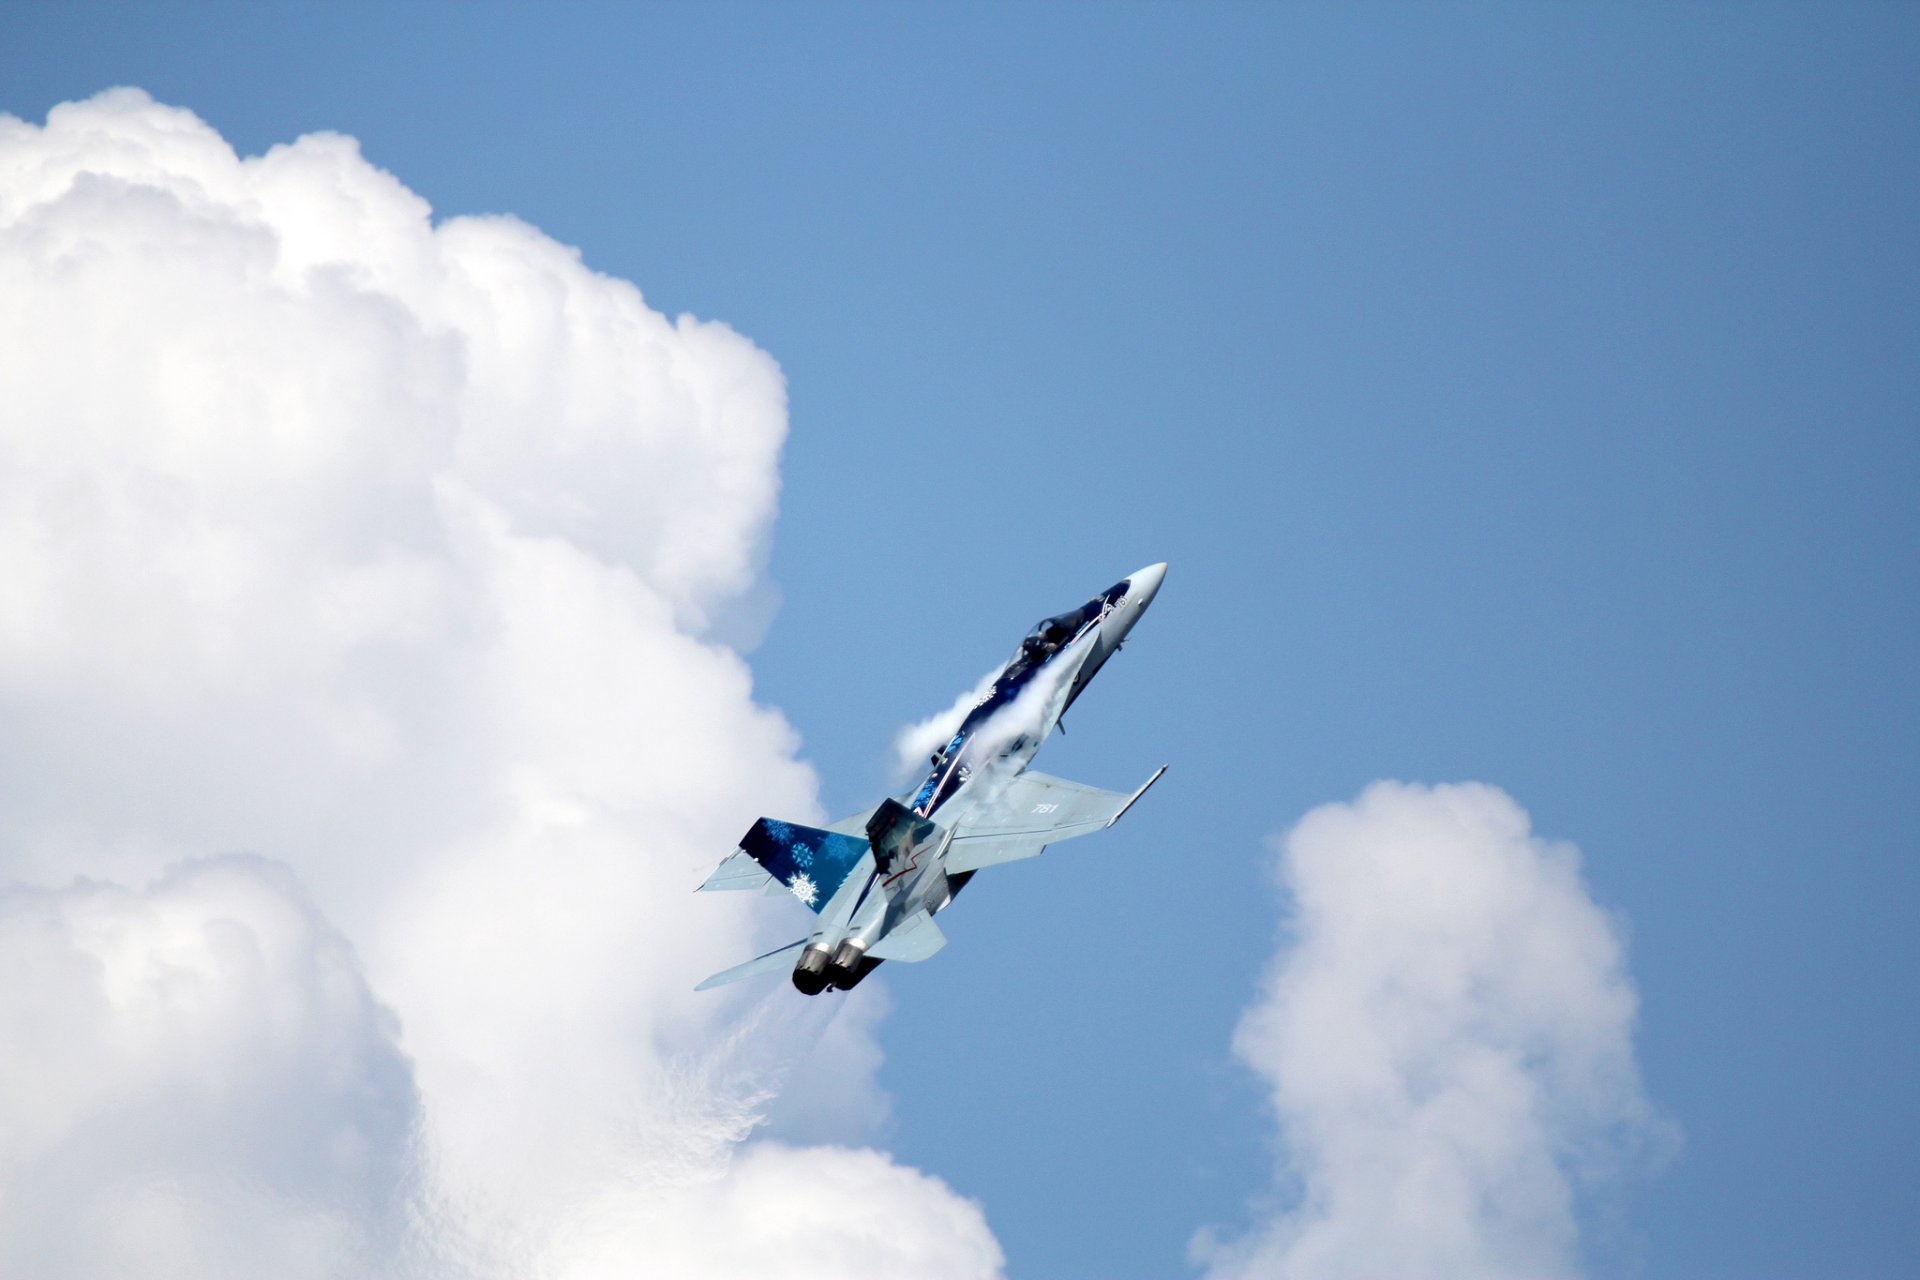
<point x="786" y="1213"/>
<point x="1447" y="1037"/>
<point x="390" y="551"/>
<point x="196" y="1080"/>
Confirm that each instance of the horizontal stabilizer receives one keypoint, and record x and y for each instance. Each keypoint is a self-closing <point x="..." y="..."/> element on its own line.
<point x="1037" y="810"/>
<point x="812" y="863"/>
<point x="738" y="870"/>
<point x="759" y="964"/>
<point x="915" y="938"/>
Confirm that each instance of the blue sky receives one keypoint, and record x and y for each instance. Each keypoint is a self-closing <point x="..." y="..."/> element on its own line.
<point x="1519" y="394"/>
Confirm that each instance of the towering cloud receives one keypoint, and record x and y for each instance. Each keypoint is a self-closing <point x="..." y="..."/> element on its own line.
<point x="387" y="552"/>
<point x="1448" y="1043"/>
<point x="197" y="1081"/>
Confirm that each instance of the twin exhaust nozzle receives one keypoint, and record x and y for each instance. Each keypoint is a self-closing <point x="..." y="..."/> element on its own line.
<point x="816" y="970"/>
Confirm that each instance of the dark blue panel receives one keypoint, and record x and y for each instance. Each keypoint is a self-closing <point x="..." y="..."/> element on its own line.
<point x="810" y="862"/>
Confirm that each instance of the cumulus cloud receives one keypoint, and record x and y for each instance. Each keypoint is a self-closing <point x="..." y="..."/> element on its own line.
<point x="1447" y="1040"/>
<point x="790" y="1213"/>
<point x="197" y="1080"/>
<point x="390" y="551"/>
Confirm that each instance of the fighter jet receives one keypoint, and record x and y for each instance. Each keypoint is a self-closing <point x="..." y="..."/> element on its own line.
<point x="876" y="880"/>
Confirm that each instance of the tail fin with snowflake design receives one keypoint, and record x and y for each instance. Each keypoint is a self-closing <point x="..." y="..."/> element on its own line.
<point x="812" y="863"/>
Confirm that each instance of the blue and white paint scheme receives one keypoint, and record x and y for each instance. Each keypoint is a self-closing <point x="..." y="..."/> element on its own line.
<point x="876" y="880"/>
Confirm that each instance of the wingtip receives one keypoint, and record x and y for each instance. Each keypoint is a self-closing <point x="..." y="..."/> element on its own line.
<point x="1136" y="795"/>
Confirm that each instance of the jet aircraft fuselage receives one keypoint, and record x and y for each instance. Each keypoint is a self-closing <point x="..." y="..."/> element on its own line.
<point x="978" y="806"/>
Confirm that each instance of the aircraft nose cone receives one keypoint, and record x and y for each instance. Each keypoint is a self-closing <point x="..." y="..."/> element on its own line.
<point x="1144" y="584"/>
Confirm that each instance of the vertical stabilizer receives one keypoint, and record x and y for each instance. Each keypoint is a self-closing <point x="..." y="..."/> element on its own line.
<point x="812" y="863"/>
<point x="894" y="831"/>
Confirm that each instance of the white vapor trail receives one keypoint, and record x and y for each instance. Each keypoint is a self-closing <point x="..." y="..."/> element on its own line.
<point x="914" y="744"/>
<point x="1023" y="716"/>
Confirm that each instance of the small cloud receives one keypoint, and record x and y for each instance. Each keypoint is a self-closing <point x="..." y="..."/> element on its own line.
<point x="1447" y="1041"/>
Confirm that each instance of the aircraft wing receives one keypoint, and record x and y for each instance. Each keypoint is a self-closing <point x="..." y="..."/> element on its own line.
<point x="1034" y="811"/>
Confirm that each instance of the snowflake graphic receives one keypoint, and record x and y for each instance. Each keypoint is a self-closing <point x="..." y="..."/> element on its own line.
<point x="803" y="888"/>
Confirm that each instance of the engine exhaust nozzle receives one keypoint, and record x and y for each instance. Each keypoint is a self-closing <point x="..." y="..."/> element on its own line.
<point x="810" y="970"/>
<point x="849" y="965"/>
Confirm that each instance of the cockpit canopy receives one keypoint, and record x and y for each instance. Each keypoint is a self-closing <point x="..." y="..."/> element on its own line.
<point x="1050" y="633"/>
<point x="1049" y="636"/>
